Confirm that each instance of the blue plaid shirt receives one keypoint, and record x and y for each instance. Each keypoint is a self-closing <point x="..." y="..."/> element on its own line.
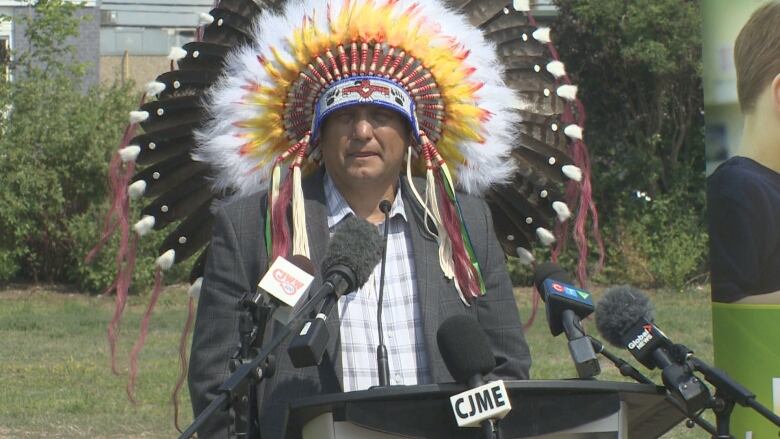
<point x="401" y="316"/>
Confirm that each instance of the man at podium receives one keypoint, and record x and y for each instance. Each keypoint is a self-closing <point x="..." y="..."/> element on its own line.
<point x="338" y="106"/>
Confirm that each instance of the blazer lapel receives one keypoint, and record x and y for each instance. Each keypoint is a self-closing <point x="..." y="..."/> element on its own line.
<point x="317" y="229"/>
<point x="425" y="252"/>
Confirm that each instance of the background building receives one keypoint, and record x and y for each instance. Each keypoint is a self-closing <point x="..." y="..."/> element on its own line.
<point x="136" y="36"/>
<point x="123" y="40"/>
<point x="87" y="43"/>
<point x="130" y="39"/>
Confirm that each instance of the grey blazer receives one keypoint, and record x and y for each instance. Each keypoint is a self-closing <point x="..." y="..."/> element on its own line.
<point x="237" y="260"/>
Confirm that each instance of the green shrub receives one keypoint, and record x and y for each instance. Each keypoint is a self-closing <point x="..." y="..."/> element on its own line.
<point x="661" y="245"/>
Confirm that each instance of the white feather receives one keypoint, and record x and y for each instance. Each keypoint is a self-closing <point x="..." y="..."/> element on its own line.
<point x="545" y="236"/>
<point x="556" y="68"/>
<point x="562" y="210"/>
<point x="572" y="172"/>
<point x="144" y="225"/>
<point x="521" y="5"/>
<point x="166" y="260"/>
<point x="136" y="190"/>
<point x="542" y="35"/>
<point x="524" y="256"/>
<point x="176" y="53"/>
<point x="573" y="131"/>
<point x="205" y="19"/>
<point x="568" y="92"/>
<point x="138" y="116"/>
<point x="154" y="88"/>
<point x="129" y="153"/>
<point x="194" y="290"/>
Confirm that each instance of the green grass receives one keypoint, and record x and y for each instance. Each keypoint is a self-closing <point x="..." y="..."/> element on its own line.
<point x="55" y="379"/>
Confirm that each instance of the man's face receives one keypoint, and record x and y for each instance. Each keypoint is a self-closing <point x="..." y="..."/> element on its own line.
<point x="364" y="144"/>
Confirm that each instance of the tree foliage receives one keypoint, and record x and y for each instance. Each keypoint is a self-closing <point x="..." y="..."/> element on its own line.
<point x="638" y="67"/>
<point x="55" y="147"/>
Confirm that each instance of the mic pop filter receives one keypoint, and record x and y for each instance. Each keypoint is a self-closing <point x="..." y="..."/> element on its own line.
<point x="353" y="252"/>
<point x="464" y="347"/>
<point x="618" y="310"/>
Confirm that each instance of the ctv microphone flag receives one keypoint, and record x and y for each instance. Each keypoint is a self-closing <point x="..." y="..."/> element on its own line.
<point x="489" y="401"/>
<point x="562" y="296"/>
<point x="286" y="283"/>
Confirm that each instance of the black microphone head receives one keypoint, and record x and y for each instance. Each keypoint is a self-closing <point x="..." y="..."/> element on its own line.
<point x="464" y="347"/>
<point x="357" y="246"/>
<point x="385" y="206"/>
<point x="550" y="270"/>
<point x="618" y="310"/>
<point x="303" y="263"/>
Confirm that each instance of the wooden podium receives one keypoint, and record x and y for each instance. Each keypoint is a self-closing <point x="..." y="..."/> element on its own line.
<point x="540" y="409"/>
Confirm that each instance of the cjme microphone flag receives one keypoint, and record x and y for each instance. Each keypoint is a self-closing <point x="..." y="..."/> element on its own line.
<point x="488" y="401"/>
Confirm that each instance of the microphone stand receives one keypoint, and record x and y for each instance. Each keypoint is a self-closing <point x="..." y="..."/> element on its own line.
<point x="382" y="362"/>
<point x="727" y="393"/>
<point x="234" y="392"/>
<point x="251" y="329"/>
<point x="627" y="370"/>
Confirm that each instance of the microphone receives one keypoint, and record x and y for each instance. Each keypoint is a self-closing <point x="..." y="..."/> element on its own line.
<point x="352" y="253"/>
<point x="382" y="362"/>
<point x="464" y="347"/>
<point x="565" y="306"/>
<point x="624" y="317"/>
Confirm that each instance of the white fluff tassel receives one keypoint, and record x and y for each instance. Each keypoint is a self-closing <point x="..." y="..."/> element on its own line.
<point x="138" y="116"/>
<point x="573" y="172"/>
<point x="166" y="260"/>
<point x="524" y="256"/>
<point x="176" y="53"/>
<point x="542" y="35"/>
<point x="194" y="290"/>
<point x="568" y="92"/>
<point x="205" y="19"/>
<point x="136" y="190"/>
<point x="521" y="5"/>
<point x="573" y="131"/>
<point x="154" y="88"/>
<point x="556" y="68"/>
<point x="545" y="236"/>
<point x="144" y="225"/>
<point x="562" y="210"/>
<point x="300" y="238"/>
<point x="129" y="153"/>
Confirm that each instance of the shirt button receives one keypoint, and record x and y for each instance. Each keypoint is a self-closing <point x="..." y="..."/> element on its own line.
<point x="397" y="379"/>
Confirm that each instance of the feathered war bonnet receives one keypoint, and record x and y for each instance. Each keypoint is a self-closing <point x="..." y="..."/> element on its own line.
<point x="247" y="100"/>
<point x="417" y="58"/>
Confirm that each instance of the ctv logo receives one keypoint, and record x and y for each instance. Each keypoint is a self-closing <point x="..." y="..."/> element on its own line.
<point x="643" y="338"/>
<point x="489" y="401"/>
<point x="558" y="287"/>
<point x="289" y="284"/>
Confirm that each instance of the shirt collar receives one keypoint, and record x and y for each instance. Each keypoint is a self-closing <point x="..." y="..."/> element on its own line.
<point x="338" y="208"/>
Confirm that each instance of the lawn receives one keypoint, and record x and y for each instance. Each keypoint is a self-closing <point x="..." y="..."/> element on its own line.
<point x="56" y="381"/>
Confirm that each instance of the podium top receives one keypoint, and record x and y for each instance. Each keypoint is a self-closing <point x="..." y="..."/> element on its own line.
<point x="538" y="407"/>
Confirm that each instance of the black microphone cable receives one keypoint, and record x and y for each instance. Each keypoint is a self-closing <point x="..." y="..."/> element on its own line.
<point x="382" y="362"/>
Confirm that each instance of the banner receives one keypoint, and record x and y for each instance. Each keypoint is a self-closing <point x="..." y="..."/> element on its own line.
<point x="746" y="340"/>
